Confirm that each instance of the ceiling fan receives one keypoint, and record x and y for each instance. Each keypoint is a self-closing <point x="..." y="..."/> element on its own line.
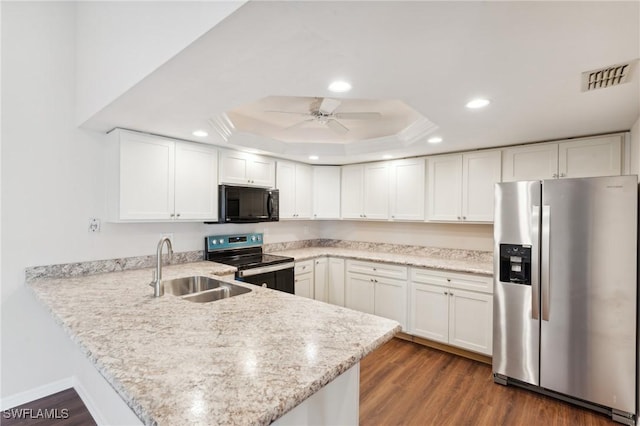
<point x="323" y="111"/>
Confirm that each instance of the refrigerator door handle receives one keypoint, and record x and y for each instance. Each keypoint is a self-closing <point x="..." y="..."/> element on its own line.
<point x="535" y="281"/>
<point x="544" y="261"/>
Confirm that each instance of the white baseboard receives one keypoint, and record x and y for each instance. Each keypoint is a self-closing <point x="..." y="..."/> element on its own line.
<point x="88" y="401"/>
<point x="36" y="393"/>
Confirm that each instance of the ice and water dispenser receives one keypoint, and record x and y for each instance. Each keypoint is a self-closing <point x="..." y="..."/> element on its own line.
<point x="515" y="264"/>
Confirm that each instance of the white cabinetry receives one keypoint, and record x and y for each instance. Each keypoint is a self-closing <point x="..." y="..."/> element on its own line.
<point x="294" y="182"/>
<point x="159" y="179"/>
<point x="304" y="280"/>
<point x="365" y="191"/>
<point x="407" y="189"/>
<point x="326" y="192"/>
<point x="456" y="309"/>
<point x="585" y="157"/>
<point x="243" y="168"/>
<point x="329" y="280"/>
<point x="461" y="186"/>
<point x="377" y="288"/>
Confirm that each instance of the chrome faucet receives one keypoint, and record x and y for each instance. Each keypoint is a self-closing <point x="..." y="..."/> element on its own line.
<point x="158" y="290"/>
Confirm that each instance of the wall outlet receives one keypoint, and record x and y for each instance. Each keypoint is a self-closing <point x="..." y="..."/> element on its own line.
<point x="94" y="224"/>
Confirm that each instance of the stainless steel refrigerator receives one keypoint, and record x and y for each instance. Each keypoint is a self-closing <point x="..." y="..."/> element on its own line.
<point x="565" y="290"/>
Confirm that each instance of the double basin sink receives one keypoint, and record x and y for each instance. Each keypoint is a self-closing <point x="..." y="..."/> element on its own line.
<point x="202" y="289"/>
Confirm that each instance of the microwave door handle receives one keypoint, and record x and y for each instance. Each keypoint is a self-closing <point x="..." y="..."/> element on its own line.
<point x="269" y="205"/>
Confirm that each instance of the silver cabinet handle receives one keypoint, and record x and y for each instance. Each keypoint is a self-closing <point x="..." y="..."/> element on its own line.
<point x="450" y="294"/>
<point x="562" y="175"/>
<point x="459" y="218"/>
<point x="464" y="218"/>
<point x="555" y="175"/>
<point x="446" y="294"/>
<point x="172" y="215"/>
<point x="545" y="283"/>
<point x="178" y="215"/>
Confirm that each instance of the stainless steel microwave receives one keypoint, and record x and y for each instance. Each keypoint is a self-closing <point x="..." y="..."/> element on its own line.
<point x="245" y="204"/>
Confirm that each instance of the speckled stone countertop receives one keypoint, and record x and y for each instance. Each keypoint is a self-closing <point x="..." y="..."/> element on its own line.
<point x="452" y="264"/>
<point x="248" y="359"/>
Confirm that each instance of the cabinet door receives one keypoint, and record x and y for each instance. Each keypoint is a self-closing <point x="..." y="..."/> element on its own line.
<point x="261" y="171"/>
<point x="601" y="156"/>
<point x="326" y="192"/>
<point x="391" y="299"/>
<point x="320" y="288"/>
<point x="303" y="285"/>
<point x="376" y="191"/>
<point x="530" y="162"/>
<point x="146" y="178"/>
<point x="196" y="182"/>
<point x="407" y="189"/>
<point x="233" y="167"/>
<point x="286" y="184"/>
<point x="445" y="187"/>
<point x="351" y="194"/>
<point x="471" y="320"/>
<point x="360" y="293"/>
<point x="303" y="191"/>
<point x="480" y="172"/>
<point x="335" y="281"/>
<point x="429" y="312"/>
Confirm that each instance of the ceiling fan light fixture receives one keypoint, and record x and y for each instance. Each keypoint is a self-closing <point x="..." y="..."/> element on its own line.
<point x="478" y="103"/>
<point x="200" y="133"/>
<point x="314" y="157"/>
<point x="434" y="139"/>
<point x="339" y="86"/>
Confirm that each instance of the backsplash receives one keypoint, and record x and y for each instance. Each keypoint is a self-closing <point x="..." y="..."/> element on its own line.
<point x="140" y="262"/>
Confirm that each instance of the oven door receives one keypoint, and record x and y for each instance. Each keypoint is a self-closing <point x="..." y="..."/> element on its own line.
<point x="277" y="277"/>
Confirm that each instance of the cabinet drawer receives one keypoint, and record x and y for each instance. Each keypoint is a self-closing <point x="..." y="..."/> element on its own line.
<point x="454" y="280"/>
<point x="377" y="269"/>
<point x="303" y="267"/>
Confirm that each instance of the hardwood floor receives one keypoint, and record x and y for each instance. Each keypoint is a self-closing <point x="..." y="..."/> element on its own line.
<point x="61" y="409"/>
<point x="403" y="383"/>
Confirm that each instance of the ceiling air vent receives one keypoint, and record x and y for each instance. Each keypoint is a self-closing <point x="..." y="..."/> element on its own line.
<point x="606" y="77"/>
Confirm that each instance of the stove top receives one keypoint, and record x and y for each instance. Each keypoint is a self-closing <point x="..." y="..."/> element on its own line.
<point x="243" y="251"/>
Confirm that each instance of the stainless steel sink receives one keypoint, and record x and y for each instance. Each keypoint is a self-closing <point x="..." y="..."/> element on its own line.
<point x="201" y="289"/>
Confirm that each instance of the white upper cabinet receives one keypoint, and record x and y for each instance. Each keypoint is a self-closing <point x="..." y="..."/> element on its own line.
<point x="294" y="183"/>
<point x="445" y="187"/>
<point x="158" y="179"/>
<point x="407" y="188"/>
<point x="243" y="168"/>
<point x="480" y="173"/>
<point x="600" y="156"/>
<point x="196" y="177"/>
<point x="365" y="191"/>
<point x="461" y="186"/>
<point x="326" y="192"/>
<point x="586" y="157"/>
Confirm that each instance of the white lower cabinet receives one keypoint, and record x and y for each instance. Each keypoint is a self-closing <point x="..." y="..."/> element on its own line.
<point x="442" y="308"/>
<point x="304" y="279"/>
<point x="329" y="280"/>
<point x="370" y="289"/>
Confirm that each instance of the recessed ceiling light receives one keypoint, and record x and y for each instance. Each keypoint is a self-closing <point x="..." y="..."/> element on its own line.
<point x="478" y="103"/>
<point x="387" y="156"/>
<point x="313" y="157"/>
<point x="200" y="133"/>
<point x="434" y="140"/>
<point x="339" y="86"/>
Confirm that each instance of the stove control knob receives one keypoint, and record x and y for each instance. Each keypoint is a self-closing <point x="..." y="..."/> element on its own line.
<point x="214" y="242"/>
<point x="221" y="241"/>
<point x="258" y="237"/>
<point x="253" y="238"/>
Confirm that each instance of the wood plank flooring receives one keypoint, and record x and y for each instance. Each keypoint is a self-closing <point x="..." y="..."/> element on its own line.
<point x="61" y="409"/>
<point x="403" y="383"/>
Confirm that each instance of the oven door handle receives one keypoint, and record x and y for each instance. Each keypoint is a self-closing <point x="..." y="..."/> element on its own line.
<point x="265" y="269"/>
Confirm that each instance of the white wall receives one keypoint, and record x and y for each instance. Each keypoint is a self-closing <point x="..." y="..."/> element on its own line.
<point x="120" y="43"/>
<point x="462" y="236"/>
<point x="634" y="168"/>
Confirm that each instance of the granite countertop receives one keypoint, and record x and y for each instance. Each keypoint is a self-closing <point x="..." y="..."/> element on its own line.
<point x="248" y="359"/>
<point x="443" y="262"/>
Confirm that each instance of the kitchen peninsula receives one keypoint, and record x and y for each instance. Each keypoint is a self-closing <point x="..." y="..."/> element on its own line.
<point x="249" y="359"/>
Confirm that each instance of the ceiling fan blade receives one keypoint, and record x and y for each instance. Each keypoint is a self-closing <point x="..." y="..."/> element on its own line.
<point x="298" y="124"/>
<point x="357" y="115"/>
<point x="288" y="112"/>
<point x="329" y="105"/>
<point x="336" y="126"/>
